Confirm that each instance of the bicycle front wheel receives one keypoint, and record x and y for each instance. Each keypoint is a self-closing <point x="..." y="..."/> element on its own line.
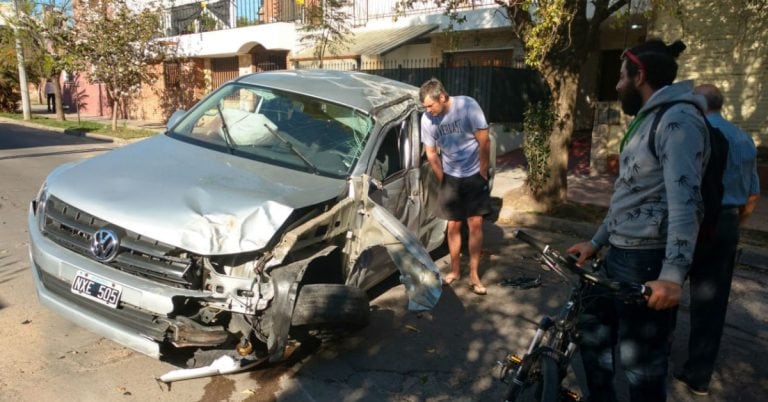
<point x="541" y="383"/>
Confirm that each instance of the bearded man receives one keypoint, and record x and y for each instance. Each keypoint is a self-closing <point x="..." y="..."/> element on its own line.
<point x="651" y="226"/>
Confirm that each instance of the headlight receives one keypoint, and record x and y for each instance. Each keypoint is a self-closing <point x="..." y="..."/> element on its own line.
<point x="40" y="200"/>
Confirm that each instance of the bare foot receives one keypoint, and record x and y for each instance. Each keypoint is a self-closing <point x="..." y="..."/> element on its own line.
<point x="478" y="289"/>
<point x="450" y="278"/>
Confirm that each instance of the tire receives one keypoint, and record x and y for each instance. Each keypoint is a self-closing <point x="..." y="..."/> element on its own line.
<point x="331" y="305"/>
<point x="544" y="387"/>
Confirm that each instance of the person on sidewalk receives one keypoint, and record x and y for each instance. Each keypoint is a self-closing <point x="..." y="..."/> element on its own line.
<point x="713" y="262"/>
<point x="50" y="95"/>
<point x="651" y="226"/>
<point x="457" y="127"/>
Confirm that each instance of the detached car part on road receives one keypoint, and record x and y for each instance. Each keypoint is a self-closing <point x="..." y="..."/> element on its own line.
<point x="266" y="210"/>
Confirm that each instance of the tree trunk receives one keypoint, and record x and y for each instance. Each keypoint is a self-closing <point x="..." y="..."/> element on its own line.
<point x="57" y="97"/>
<point x="115" y="108"/>
<point x="564" y="85"/>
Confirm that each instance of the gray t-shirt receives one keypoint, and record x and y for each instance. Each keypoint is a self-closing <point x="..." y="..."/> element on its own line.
<point x="454" y="133"/>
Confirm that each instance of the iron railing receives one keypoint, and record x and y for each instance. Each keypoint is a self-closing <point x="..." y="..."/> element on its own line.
<point x="366" y="10"/>
<point x="204" y="16"/>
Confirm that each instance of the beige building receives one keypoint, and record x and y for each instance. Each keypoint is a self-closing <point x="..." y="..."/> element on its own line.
<point x="725" y="46"/>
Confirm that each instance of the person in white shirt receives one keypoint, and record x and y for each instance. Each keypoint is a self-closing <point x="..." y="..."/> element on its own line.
<point x="50" y="95"/>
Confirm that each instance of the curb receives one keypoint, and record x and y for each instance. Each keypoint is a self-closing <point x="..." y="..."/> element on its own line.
<point x="752" y="257"/>
<point x="69" y="132"/>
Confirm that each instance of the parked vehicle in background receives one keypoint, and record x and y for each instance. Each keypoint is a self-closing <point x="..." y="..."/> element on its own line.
<point x="265" y="211"/>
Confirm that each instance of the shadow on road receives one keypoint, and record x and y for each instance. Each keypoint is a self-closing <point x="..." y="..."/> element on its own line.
<point x="16" y="136"/>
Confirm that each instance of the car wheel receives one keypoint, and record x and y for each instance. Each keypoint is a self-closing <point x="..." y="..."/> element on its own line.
<point x="331" y="304"/>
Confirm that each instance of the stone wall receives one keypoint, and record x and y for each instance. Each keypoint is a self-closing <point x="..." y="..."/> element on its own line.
<point x="610" y="123"/>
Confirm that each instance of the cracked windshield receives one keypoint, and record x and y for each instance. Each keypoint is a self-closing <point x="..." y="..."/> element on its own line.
<point x="280" y="128"/>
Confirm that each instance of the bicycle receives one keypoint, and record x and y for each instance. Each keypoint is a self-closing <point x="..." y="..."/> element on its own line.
<point x="539" y="374"/>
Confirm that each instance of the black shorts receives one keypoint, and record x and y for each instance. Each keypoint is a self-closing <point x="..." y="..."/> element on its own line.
<point x="462" y="197"/>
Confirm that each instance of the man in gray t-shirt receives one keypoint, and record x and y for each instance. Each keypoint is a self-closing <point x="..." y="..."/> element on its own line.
<point x="456" y="125"/>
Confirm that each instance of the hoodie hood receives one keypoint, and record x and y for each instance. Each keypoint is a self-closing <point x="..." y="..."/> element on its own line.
<point x="188" y="196"/>
<point x="679" y="91"/>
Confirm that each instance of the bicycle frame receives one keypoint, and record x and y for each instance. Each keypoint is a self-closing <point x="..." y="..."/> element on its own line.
<point x="560" y="344"/>
<point x="555" y="338"/>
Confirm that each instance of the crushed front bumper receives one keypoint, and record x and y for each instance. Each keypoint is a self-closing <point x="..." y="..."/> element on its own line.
<point x="139" y="323"/>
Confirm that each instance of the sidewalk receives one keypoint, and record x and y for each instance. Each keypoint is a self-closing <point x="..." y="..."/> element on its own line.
<point x="597" y="190"/>
<point x="41" y="110"/>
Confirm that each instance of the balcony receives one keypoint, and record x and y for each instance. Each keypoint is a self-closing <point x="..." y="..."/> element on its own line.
<point x="367" y="10"/>
<point x="205" y="16"/>
<point x="208" y="16"/>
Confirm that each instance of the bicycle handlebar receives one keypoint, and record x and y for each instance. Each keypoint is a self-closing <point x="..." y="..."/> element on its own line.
<point x="569" y="262"/>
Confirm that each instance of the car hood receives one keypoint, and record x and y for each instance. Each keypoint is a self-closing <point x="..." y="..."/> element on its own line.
<point x="203" y="201"/>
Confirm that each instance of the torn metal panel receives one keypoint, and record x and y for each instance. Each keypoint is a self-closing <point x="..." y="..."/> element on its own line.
<point x="418" y="272"/>
<point x="325" y="226"/>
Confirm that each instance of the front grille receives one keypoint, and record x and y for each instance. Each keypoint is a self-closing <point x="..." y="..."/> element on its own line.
<point x="139" y="255"/>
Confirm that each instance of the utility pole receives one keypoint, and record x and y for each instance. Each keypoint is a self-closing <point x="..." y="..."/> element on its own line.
<point x="22" y="69"/>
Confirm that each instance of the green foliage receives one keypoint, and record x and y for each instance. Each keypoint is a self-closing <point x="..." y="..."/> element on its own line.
<point x="47" y="34"/>
<point x="208" y="23"/>
<point x="9" y="83"/>
<point x="9" y="94"/>
<point x="538" y="120"/>
<point x="119" y="44"/>
<point x="544" y="35"/>
<point x="327" y="27"/>
<point x="243" y="21"/>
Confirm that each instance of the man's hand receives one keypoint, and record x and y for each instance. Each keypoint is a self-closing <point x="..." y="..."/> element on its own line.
<point x="435" y="162"/>
<point x="584" y="250"/>
<point x="664" y="295"/>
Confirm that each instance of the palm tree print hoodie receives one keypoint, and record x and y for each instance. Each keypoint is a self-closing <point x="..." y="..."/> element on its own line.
<point x="656" y="202"/>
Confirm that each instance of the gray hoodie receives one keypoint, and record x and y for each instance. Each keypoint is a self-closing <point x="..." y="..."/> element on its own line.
<point x="656" y="203"/>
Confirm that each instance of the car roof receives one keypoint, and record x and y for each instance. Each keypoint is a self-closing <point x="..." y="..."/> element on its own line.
<point x="361" y="91"/>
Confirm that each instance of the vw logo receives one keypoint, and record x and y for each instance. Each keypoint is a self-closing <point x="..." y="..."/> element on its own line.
<point x="105" y="245"/>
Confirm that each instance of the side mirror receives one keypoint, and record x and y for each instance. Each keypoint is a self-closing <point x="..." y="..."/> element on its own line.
<point x="175" y="117"/>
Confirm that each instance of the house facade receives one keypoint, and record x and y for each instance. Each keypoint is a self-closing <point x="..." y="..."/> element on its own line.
<point x="218" y="41"/>
<point x="724" y="42"/>
<point x="214" y="41"/>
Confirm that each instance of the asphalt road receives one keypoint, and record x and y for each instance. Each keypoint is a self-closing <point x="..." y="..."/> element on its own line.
<point x="449" y="353"/>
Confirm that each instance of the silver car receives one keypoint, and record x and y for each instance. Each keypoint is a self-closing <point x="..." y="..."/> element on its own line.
<point x="265" y="211"/>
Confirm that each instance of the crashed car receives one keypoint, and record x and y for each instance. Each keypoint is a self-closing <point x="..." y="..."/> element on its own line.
<point x="267" y="209"/>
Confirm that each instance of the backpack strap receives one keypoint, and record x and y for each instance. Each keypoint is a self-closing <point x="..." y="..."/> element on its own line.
<point x="652" y="135"/>
<point x="662" y="109"/>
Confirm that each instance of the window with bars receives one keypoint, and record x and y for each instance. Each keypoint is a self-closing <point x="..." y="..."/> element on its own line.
<point x="224" y="69"/>
<point x="172" y="74"/>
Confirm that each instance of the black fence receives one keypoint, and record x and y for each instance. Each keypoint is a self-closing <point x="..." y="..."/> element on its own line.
<point x="502" y="92"/>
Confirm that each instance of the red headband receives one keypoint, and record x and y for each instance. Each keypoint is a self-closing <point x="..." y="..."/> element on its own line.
<point x="634" y="59"/>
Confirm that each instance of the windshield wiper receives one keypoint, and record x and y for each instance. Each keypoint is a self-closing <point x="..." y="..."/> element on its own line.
<point x="227" y="138"/>
<point x="293" y="149"/>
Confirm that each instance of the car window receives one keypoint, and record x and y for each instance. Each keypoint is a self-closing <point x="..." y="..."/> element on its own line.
<point x="389" y="156"/>
<point x="278" y="127"/>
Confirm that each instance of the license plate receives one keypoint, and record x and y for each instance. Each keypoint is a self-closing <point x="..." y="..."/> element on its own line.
<point x="97" y="289"/>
